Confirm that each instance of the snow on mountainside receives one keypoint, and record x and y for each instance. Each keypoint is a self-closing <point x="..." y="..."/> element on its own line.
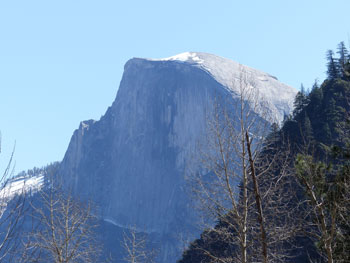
<point x="23" y="184"/>
<point x="227" y="72"/>
<point x="18" y="186"/>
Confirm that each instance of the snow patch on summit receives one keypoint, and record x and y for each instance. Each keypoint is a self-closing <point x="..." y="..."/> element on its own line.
<point x="185" y="57"/>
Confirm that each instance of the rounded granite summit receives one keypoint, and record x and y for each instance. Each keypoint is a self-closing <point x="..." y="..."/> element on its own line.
<point x="228" y="73"/>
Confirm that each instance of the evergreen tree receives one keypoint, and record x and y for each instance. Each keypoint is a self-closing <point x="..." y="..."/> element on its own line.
<point x="346" y="75"/>
<point x="315" y="86"/>
<point x="343" y="58"/>
<point x="326" y="132"/>
<point x="332" y="113"/>
<point x="332" y="69"/>
<point x="307" y="129"/>
<point x="300" y="101"/>
<point x="315" y="99"/>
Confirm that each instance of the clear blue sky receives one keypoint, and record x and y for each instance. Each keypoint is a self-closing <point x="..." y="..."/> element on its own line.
<point x="61" y="61"/>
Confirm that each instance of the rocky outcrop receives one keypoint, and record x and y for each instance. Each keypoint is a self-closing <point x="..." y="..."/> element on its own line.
<point x="131" y="162"/>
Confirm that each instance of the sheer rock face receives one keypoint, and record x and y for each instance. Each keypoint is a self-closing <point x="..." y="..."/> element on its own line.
<point x="131" y="162"/>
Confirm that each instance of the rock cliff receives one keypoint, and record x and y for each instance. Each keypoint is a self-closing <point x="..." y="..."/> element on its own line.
<point x="131" y="162"/>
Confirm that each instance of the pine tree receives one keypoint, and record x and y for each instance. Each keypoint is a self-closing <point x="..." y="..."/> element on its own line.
<point x="346" y="75"/>
<point x="315" y="97"/>
<point x="332" y="113"/>
<point x="343" y="58"/>
<point x="332" y="69"/>
<point x="307" y="129"/>
<point x="326" y="132"/>
<point x="315" y="86"/>
<point x="300" y="101"/>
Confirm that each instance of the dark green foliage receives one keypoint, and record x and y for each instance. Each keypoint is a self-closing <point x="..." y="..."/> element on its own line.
<point x="317" y="127"/>
<point x="322" y="116"/>
<point x="327" y="194"/>
<point x="273" y="136"/>
<point x="326" y="131"/>
<point x="211" y="244"/>
<point x="332" y="67"/>
<point x="315" y="172"/>
<point x="301" y="100"/>
<point x="347" y="70"/>
<point x="343" y="59"/>
<point x="325" y="163"/>
<point x="307" y="129"/>
<point x="341" y="159"/>
<point x="338" y="67"/>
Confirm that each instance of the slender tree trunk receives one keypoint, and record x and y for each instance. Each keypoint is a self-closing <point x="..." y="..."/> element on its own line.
<point x="326" y="236"/>
<point x="244" y="223"/>
<point x="245" y="185"/>
<point x="258" y="200"/>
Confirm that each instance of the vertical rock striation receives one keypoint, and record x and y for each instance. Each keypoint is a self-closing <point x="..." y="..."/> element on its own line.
<point x="131" y="162"/>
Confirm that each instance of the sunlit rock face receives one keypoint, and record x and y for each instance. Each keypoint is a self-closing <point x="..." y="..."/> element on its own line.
<point x="132" y="162"/>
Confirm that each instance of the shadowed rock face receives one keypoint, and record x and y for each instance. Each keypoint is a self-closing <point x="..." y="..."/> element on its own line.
<point x="131" y="162"/>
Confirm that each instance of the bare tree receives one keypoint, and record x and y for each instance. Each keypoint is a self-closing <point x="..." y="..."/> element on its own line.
<point x="326" y="205"/>
<point x="239" y="187"/>
<point x="63" y="229"/>
<point x="135" y="247"/>
<point x="12" y="200"/>
<point x="312" y="177"/>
